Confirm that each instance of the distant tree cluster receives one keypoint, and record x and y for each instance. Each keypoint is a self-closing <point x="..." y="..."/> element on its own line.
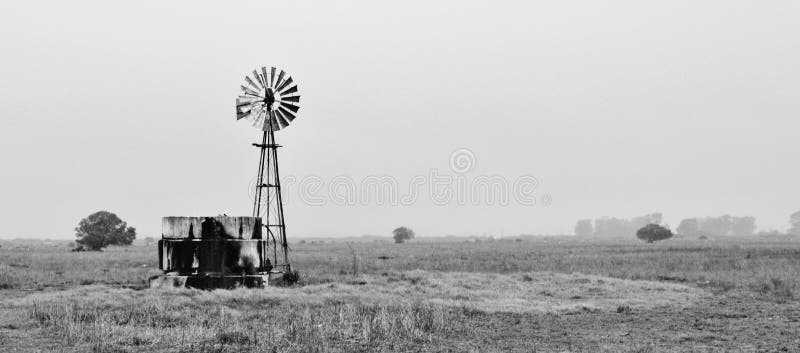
<point x="101" y="229"/>
<point x="794" y="222"/>
<point x="607" y="227"/>
<point x="584" y="228"/>
<point x="770" y="233"/>
<point x="726" y="225"/>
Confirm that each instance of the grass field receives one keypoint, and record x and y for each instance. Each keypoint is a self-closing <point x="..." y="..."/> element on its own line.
<point x="533" y="294"/>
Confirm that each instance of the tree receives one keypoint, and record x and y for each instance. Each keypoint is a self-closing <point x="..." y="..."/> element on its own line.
<point x="610" y="227"/>
<point x="584" y="228"/>
<point x="616" y="227"/>
<point x="653" y="232"/>
<point x="101" y="229"/>
<point x="719" y="226"/>
<point x="794" y="220"/>
<point x="689" y="227"/>
<point x="743" y="226"/>
<point x="638" y="222"/>
<point x="402" y="234"/>
<point x="770" y="233"/>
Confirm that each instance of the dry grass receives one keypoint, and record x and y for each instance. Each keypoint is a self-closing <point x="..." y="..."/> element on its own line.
<point x="400" y="309"/>
<point x="39" y="267"/>
<point x="750" y="264"/>
<point x="420" y="296"/>
<point x="108" y="319"/>
<point x="742" y="264"/>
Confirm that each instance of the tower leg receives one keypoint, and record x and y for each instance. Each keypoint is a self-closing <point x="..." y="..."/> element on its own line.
<point x="279" y="201"/>
<point x="260" y="177"/>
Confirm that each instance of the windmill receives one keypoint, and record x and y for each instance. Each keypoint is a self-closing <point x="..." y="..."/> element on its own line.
<point x="230" y="251"/>
<point x="270" y="101"/>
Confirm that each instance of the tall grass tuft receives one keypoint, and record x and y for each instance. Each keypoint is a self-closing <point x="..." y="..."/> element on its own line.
<point x="776" y="289"/>
<point x="8" y="278"/>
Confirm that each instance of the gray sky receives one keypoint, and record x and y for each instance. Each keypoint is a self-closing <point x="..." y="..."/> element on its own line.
<point x="618" y="108"/>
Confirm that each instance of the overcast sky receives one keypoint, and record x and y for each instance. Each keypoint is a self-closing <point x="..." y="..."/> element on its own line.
<point x="617" y="108"/>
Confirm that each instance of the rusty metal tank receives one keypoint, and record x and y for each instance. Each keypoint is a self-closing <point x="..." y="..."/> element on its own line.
<point x="213" y="252"/>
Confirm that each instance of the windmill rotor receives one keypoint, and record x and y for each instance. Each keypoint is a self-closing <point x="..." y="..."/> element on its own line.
<point x="270" y="99"/>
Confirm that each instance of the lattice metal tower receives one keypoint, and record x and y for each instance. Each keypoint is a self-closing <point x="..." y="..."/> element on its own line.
<point x="270" y="101"/>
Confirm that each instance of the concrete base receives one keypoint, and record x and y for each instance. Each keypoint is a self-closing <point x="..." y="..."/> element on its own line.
<point x="173" y="280"/>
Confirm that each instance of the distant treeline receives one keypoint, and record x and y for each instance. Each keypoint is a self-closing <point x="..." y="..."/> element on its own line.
<point x="718" y="226"/>
<point x="615" y="227"/>
<point x="725" y="225"/>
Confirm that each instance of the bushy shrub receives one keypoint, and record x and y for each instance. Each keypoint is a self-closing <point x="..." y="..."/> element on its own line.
<point x="653" y="232"/>
<point x="291" y="278"/>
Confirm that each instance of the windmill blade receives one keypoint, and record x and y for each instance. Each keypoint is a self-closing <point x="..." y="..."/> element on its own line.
<point x="264" y="76"/>
<point x="257" y="106"/>
<point x="257" y="109"/>
<point x="258" y="78"/>
<point x="249" y="91"/>
<point x="253" y="98"/>
<point x="280" y="79"/>
<point x="284" y="84"/>
<point x="292" y="107"/>
<point x="286" y="113"/>
<point x="247" y="99"/>
<point x="273" y="121"/>
<point x="279" y="114"/>
<point x="244" y="100"/>
<point x="264" y="80"/>
<point x="258" y="120"/>
<point x="290" y="91"/>
<point x="272" y="77"/>
<point x="251" y="83"/>
<point x="281" y="119"/>
<point x="291" y="99"/>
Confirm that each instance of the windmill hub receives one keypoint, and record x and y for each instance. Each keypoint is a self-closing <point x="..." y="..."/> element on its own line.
<point x="223" y="251"/>
<point x="269" y="99"/>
